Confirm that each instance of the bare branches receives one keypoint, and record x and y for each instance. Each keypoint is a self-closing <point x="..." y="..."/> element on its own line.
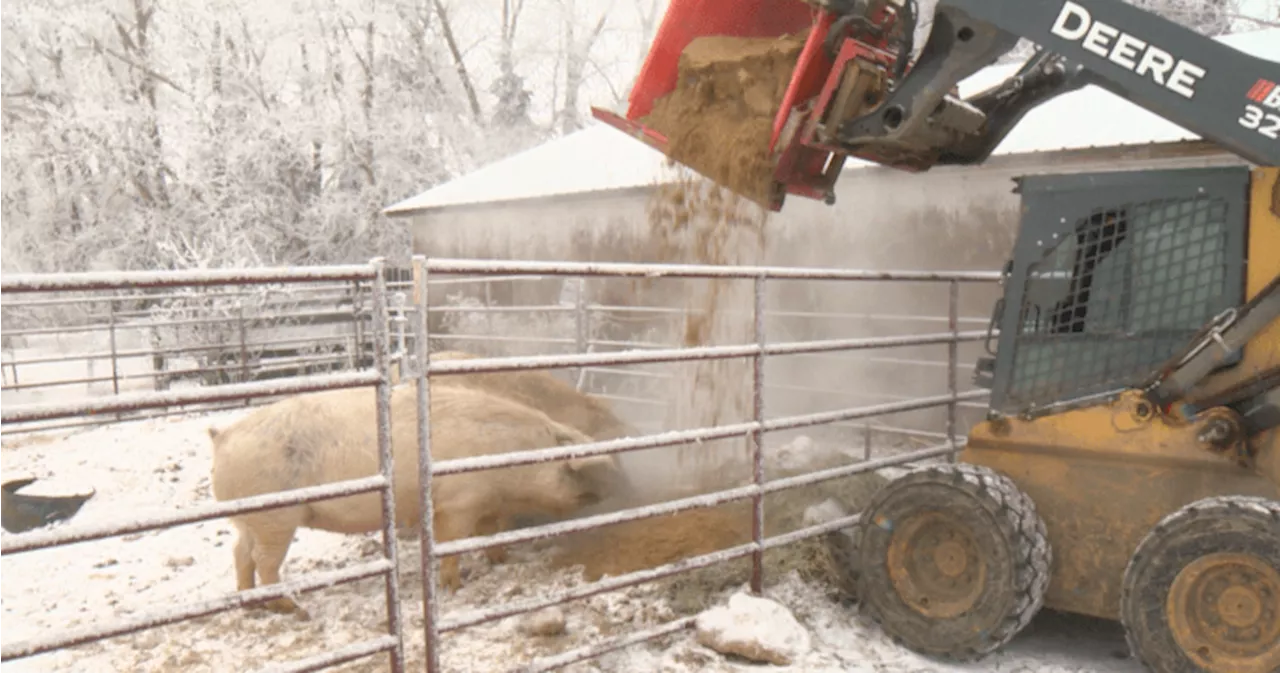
<point x="510" y="20"/>
<point x="146" y="71"/>
<point x="647" y="10"/>
<point x="1253" y="22"/>
<point x="253" y="52"/>
<point x="416" y="19"/>
<point x="577" y="56"/>
<point x="459" y="64"/>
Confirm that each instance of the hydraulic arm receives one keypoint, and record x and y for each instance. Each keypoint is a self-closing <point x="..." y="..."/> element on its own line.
<point x="1223" y="95"/>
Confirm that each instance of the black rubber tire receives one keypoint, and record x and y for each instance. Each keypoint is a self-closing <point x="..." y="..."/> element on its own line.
<point x="1229" y="523"/>
<point x="1012" y="538"/>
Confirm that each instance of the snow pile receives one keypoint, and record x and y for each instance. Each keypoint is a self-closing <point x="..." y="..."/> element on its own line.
<point x="755" y="628"/>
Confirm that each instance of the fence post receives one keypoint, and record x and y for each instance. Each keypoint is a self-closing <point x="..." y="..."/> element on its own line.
<point x="488" y="304"/>
<point x="399" y="354"/>
<point x="115" y="360"/>
<point x="90" y="374"/>
<point x="115" y="364"/>
<point x="581" y="325"/>
<point x="418" y="299"/>
<point x="160" y="381"/>
<point x="244" y="344"/>
<point x="757" y="441"/>
<point x="353" y="342"/>
<point x="357" y="323"/>
<point x="953" y="350"/>
<point x="380" y="319"/>
<point x="430" y="613"/>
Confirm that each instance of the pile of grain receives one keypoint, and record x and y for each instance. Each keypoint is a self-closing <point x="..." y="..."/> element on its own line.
<point x="719" y="119"/>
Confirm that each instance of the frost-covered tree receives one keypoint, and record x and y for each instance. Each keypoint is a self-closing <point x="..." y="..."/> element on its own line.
<point x="576" y="47"/>
<point x="141" y="134"/>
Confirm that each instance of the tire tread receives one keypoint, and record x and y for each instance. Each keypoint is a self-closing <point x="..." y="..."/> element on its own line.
<point x="1020" y="524"/>
<point x="1220" y="507"/>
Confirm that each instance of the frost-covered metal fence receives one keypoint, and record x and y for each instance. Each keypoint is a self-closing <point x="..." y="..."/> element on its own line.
<point x="377" y="375"/>
<point x="408" y="353"/>
<point x="103" y="343"/>
<point x="756" y="350"/>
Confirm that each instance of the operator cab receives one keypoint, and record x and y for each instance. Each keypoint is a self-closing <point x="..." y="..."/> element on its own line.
<point x="1112" y="274"/>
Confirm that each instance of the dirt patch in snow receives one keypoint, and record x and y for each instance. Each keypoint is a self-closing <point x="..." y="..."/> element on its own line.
<point x="648" y="543"/>
<point x="719" y="118"/>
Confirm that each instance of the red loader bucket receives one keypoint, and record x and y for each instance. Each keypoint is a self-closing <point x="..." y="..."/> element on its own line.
<point x="686" y="20"/>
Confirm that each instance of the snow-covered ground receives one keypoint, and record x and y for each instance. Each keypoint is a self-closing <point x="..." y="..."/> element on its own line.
<point x="162" y="464"/>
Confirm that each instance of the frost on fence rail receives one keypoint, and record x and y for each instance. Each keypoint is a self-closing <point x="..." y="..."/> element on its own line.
<point x="114" y="280"/>
<point x="336" y="288"/>
<point x="221" y="393"/>
<point x="501" y="364"/>
<point x="444" y="265"/>
<point x="778" y="313"/>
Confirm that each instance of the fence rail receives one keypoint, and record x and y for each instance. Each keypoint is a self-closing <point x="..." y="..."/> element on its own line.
<point x="401" y="336"/>
<point x="248" y="355"/>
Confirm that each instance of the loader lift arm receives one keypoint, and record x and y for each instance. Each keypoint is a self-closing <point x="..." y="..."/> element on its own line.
<point x="1219" y="93"/>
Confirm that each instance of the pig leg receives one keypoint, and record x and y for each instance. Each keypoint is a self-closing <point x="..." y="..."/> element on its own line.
<point x="244" y="559"/>
<point x="268" y="555"/>
<point x="453" y="527"/>
<point x="488" y="526"/>
<point x="272" y="535"/>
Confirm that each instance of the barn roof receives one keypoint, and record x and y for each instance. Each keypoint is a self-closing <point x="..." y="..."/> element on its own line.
<point x="601" y="158"/>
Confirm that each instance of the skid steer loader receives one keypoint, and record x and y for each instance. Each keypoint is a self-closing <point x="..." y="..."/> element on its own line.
<point x="1129" y="466"/>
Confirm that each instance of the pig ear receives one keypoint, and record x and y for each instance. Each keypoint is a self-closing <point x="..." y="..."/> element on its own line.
<point x="599" y="470"/>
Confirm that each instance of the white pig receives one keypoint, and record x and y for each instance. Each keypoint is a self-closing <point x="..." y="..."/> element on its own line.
<point x="331" y="436"/>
